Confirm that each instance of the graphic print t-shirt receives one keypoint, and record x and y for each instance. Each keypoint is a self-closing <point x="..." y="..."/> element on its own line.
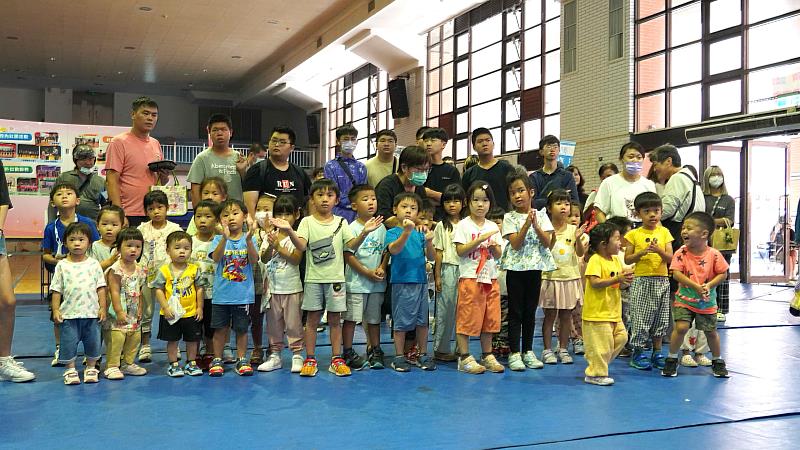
<point x="233" y="278"/>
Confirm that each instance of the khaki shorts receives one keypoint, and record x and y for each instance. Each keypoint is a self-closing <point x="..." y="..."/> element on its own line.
<point x="702" y="322"/>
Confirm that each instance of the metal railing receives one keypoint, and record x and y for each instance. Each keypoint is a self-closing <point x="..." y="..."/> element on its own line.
<point x="186" y="153"/>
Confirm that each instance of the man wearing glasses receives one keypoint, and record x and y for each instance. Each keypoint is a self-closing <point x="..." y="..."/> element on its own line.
<point x="384" y="163"/>
<point x="551" y="176"/>
<point x="219" y="160"/>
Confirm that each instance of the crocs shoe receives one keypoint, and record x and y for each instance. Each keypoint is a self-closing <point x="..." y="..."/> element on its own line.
<point x="702" y="360"/>
<point x="688" y="361"/>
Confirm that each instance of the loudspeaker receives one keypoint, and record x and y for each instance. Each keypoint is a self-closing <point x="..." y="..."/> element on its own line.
<point x="312" y="124"/>
<point x="399" y="98"/>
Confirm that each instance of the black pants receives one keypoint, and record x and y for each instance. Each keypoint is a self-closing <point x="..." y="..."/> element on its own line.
<point x="523" y="299"/>
<point x="723" y="289"/>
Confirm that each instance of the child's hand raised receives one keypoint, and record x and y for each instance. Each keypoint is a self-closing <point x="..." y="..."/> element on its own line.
<point x="272" y="238"/>
<point x="226" y="231"/>
<point x="251" y="226"/>
<point x="580" y="231"/>
<point x="487" y="235"/>
<point x="532" y="218"/>
<point x="280" y="224"/>
<point x="373" y="224"/>
<point x="408" y="224"/>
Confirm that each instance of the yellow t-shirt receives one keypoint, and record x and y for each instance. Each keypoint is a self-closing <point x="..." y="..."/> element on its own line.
<point x="565" y="257"/>
<point x="602" y="305"/>
<point x="186" y="284"/>
<point x="651" y="264"/>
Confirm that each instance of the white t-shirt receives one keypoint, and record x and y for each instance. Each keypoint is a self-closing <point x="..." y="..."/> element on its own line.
<point x="201" y="255"/>
<point x="443" y="240"/>
<point x="616" y="194"/>
<point x="78" y="282"/>
<point x="467" y="231"/>
<point x="677" y="196"/>
<point x="283" y="277"/>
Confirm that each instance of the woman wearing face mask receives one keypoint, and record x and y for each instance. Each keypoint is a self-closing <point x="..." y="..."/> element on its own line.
<point x="616" y="193"/>
<point x="412" y="172"/>
<point x="89" y="184"/>
<point x="722" y="208"/>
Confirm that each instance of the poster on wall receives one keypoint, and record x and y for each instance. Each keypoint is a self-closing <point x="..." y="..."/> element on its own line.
<point x="567" y="152"/>
<point x="34" y="154"/>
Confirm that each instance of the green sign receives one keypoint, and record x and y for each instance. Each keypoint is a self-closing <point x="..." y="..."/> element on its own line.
<point x="18" y="169"/>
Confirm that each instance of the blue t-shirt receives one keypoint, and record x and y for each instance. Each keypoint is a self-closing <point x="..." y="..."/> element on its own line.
<point x="53" y="238"/>
<point x="369" y="254"/>
<point x="233" y="277"/>
<point x="408" y="266"/>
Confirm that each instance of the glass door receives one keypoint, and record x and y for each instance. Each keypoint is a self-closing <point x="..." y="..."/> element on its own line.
<point x="728" y="156"/>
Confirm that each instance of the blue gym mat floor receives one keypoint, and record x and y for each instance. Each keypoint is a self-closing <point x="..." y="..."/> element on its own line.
<point x="758" y="407"/>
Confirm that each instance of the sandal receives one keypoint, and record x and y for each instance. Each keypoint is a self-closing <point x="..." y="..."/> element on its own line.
<point x="90" y="375"/>
<point x="71" y="377"/>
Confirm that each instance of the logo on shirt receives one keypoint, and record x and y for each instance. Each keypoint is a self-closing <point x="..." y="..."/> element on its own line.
<point x="234" y="265"/>
<point x="285" y="184"/>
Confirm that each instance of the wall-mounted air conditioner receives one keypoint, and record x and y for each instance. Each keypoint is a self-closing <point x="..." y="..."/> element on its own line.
<point x="741" y="128"/>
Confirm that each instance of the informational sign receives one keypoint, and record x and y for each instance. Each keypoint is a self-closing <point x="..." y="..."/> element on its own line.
<point x="567" y="152"/>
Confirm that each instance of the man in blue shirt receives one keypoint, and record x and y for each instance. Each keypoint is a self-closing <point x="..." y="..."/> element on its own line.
<point x="551" y="176"/>
<point x="345" y="171"/>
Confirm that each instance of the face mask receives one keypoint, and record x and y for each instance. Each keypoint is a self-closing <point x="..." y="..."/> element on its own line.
<point x="633" y="168"/>
<point x="418" y="178"/>
<point x="87" y="170"/>
<point x="261" y="216"/>
<point x="715" y="181"/>
<point x="348" y="147"/>
<point x="258" y="160"/>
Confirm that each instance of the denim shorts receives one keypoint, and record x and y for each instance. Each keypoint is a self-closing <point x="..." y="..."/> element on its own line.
<point x="79" y="330"/>
<point x="409" y="306"/>
<point x="2" y="244"/>
<point x="235" y="316"/>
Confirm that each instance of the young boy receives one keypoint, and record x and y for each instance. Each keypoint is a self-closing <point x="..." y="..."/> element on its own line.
<point x="78" y="292"/>
<point x="366" y="281"/>
<point x="325" y="235"/>
<point x="205" y="221"/>
<point x="345" y="170"/>
<point x="235" y="253"/>
<point x="500" y="346"/>
<point x="408" y="248"/>
<point x="182" y="280"/>
<point x="154" y="255"/>
<point x="650" y="248"/>
<point x="624" y="225"/>
<point x="698" y="269"/>
<point x="64" y="197"/>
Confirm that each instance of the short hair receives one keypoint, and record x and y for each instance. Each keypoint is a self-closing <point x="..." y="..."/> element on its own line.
<point x="228" y="203"/>
<point x="421" y="131"/>
<point x="210" y="204"/>
<point x="317" y="171"/>
<point x="285" y="204"/>
<point x="129" y="234"/>
<point x="605" y="167"/>
<point x="143" y="102"/>
<point x="661" y="153"/>
<point x="548" y="140"/>
<point x="558" y="195"/>
<point x="61" y="185"/>
<point x="112" y="209"/>
<point x="479" y="131"/>
<point x="218" y="182"/>
<point x="285" y="130"/>
<point x="436" y="133"/>
<point x="515" y="176"/>
<point x="407" y="196"/>
<point x="496" y="213"/>
<point x="621" y="222"/>
<point x="628" y="145"/>
<point x="386" y="132"/>
<point x="220" y="118"/>
<point x="601" y="233"/>
<point x="355" y="190"/>
<point x="647" y="200"/>
<point x="78" y="228"/>
<point x="154" y="197"/>
<point x="255" y="147"/>
<point x="414" y="156"/>
<point x="470" y="161"/>
<point x="704" y="219"/>
<point x="324" y="184"/>
<point x="346" y="130"/>
<point x="177" y="236"/>
<point x="427" y="206"/>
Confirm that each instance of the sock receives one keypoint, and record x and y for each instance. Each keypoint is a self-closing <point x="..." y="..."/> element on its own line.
<point x="673" y="355"/>
<point x="716" y="358"/>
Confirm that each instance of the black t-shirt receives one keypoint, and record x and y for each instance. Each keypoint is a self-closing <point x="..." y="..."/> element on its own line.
<point x="495" y="176"/>
<point x="268" y="179"/>
<point x="439" y="177"/>
<point x="5" y="199"/>
<point x="385" y="192"/>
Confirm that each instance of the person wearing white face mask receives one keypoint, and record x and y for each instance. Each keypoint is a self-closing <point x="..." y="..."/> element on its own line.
<point x="345" y="170"/>
<point x="90" y="186"/>
<point x="722" y="208"/>
<point x="616" y="193"/>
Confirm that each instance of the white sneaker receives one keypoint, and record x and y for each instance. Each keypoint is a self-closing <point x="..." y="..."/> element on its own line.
<point x="600" y="381"/>
<point x="54" y="362"/>
<point x="133" y="369"/>
<point x="297" y="363"/>
<point x="529" y="358"/>
<point x="227" y="355"/>
<point x="548" y="357"/>
<point x="273" y="362"/>
<point x="702" y="359"/>
<point x="564" y="356"/>
<point x="10" y="370"/>
<point x="515" y="362"/>
<point x="145" y="354"/>
<point x="113" y="373"/>
<point x="688" y="361"/>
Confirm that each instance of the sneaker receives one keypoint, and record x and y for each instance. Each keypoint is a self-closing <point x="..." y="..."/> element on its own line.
<point x="113" y="373"/>
<point x="412" y="355"/>
<point x="216" y="369"/>
<point x="702" y="360"/>
<point x="718" y="368"/>
<point x="548" y="357"/>
<point x="54" y="362"/>
<point x="71" y="377"/>
<point x="273" y="362"/>
<point x="530" y="361"/>
<point x="354" y="360"/>
<point x="688" y="361"/>
<point x="425" y="362"/>
<point x="469" y="365"/>
<point x="11" y="370"/>
<point x="204" y="362"/>
<point x="257" y="357"/>
<point x="564" y="356"/>
<point x="658" y="360"/>
<point x="491" y="364"/>
<point x="626" y="352"/>
<point x="91" y="375"/>
<point x="721" y="317"/>
<point x="244" y="368"/>
<point x="338" y="367"/>
<point x="227" y="355"/>
<point x="445" y="357"/>
<point x="175" y="370"/>
<point x="670" y="367"/>
<point x="192" y="369"/>
<point x="133" y="369"/>
<point x="600" y="381"/>
<point x="400" y="364"/>
<point x="145" y="354"/>
<point x="640" y="360"/>
<point x="515" y="362"/>
<point x="309" y="368"/>
<point x="578" y="347"/>
<point x="297" y="363"/>
<point x="376" y="359"/>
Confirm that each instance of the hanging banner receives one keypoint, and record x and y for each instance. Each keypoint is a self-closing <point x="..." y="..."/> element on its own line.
<point x="567" y="152"/>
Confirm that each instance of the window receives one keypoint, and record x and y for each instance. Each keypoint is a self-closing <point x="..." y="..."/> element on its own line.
<point x="570" y="36"/>
<point x="615" y="32"/>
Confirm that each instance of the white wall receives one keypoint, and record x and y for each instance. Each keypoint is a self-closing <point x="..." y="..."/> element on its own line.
<point x="22" y="104"/>
<point x="58" y="105"/>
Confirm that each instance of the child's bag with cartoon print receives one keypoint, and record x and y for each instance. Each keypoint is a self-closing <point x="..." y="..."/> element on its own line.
<point x="176" y="197"/>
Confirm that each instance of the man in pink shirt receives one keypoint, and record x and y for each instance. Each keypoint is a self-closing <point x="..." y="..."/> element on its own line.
<point x="128" y="178"/>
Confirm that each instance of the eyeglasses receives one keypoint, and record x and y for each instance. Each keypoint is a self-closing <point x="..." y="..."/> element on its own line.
<point x="278" y="141"/>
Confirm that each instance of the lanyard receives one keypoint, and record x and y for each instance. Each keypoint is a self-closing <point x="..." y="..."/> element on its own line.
<point x="58" y="238"/>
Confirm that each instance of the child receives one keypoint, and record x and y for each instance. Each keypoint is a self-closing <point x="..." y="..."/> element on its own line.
<point x="446" y="272"/>
<point x="603" y="332"/>
<point x="408" y="248"/>
<point x="576" y="335"/>
<point x="64" y="197"/>
<point x="154" y="255"/>
<point x="500" y="347"/>
<point x="109" y="222"/>
<point x="698" y="269"/>
<point x="264" y="207"/>
<point x="282" y="268"/>
<point x="181" y="280"/>
<point x="366" y="281"/>
<point x="234" y="255"/>
<point x="530" y="235"/>
<point x="624" y="225"/>
<point x="478" y="313"/>
<point x="79" y="303"/>
<point x="205" y="220"/>
<point x="212" y="188"/>
<point x="650" y="248"/>
<point x="561" y="290"/>
<point x="126" y="278"/>
<point x="325" y="236"/>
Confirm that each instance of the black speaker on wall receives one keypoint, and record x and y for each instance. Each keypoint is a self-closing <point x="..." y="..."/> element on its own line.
<point x="399" y="98"/>
<point x="312" y="124"/>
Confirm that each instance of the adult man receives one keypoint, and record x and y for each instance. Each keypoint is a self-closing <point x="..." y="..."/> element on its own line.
<point x="345" y="170"/>
<point x="90" y="185"/>
<point x="419" y="136"/>
<point x="384" y="163"/>
<point x="276" y="175"/>
<point x="551" y="176"/>
<point x="219" y="160"/>
<point x="128" y="178"/>
<point x="441" y="174"/>
<point x="489" y="169"/>
<point x="410" y="177"/>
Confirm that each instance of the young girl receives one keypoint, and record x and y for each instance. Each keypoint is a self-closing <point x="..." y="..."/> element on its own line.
<point x="285" y="289"/>
<point x="561" y="289"/>
<point x="530" y="236"/>
<point x="206" y="221"/>
<point x="263" y="212"/>
<point x="478" y="312"/>
<point x="445" y="272"/>
<point x="125" y="278"/>
<point x="109" y="222"/>
<point x="603" y="330"/>
<point x="576" y="334"/>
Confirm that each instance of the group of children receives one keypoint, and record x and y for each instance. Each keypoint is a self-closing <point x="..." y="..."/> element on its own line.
<point x="237" y="268"/>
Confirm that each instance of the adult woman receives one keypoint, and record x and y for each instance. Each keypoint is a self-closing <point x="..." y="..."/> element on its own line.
<point x="579" y="181"/>
<point x="616" y="193"/>
<point x="723" y="209"/>
<point x="605" y="171"/>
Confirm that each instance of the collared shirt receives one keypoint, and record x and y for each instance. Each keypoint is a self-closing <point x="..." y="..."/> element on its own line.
<point x="544" y="183"/>
<point x="334" y="171"/>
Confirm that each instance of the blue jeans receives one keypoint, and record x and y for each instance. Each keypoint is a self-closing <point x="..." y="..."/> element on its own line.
<point x="79" y="330"/>
<point x="2" y="244"/>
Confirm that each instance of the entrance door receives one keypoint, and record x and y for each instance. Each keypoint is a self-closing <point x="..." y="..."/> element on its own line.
<point x="728" y="156"/>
